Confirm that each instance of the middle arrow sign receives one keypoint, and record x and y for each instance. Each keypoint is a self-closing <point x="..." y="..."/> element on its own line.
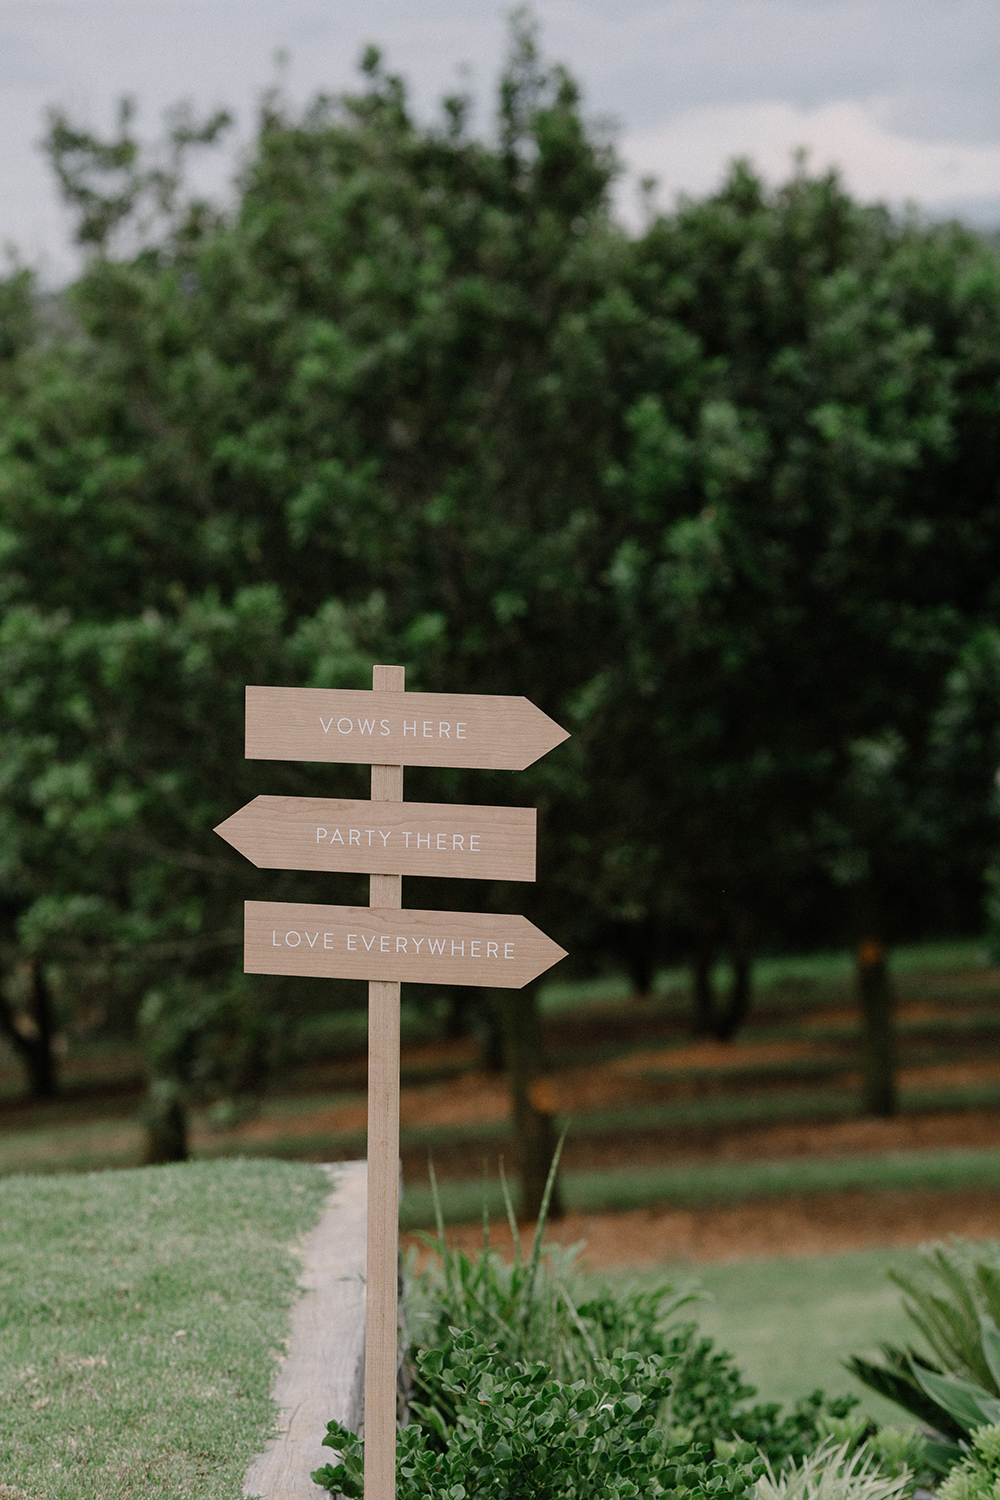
<point x="385" y="838"/>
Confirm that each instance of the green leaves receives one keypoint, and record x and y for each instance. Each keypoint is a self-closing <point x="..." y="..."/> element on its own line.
<point x="961" y="1392"/>
<point x="520" y="1433"/>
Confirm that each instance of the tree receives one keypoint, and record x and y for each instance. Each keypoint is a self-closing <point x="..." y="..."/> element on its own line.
<point x="419" y="398"/>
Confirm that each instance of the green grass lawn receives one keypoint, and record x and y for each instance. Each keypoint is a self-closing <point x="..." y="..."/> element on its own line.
<point x="141" y="1314"/>
<point x="791" y="1323"/>
<point x="720" y="1182"/>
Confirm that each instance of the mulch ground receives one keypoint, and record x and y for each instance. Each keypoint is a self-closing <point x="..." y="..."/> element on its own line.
<point x="820" y="1224"/>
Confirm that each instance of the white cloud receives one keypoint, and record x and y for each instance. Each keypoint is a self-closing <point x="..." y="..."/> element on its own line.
<point x="689" y="152"/>
<point x="900" y="93"/>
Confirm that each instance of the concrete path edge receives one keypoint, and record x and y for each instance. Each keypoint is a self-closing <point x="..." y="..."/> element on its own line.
<point x="322" y="1377"/>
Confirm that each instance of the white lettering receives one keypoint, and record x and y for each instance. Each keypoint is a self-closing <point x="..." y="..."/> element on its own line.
<point x="320" y="835"/>
<point x="400" y="945"/>
<point x="460" y="731"/>
<point x="461" y="947"/>
<point x="352" y="942"/>
<point x="474" y="948"/>
<point x="473" y="843"/>
<point x="274" y="939"/>
<point x="407" y="838"/>
<point x="385" y="836"/>
<point x="326" y="727"/>
<point x="368" y="945"/>
<point x="444" y="731"/>
<point x="385" y="726"/>
<point x="328" y="940"/>
<point x="428" y="729"/>
<point x="341" y="723"/>
<point x="458" y="841"/>
<point x="408" y="730"/>
<point x="311" y="941"/>
<point x="369" y="832"/>
<point x="508" y="950"/>
<point x="288" y="939"/>
<point x="416" y="942"/>
<point x="367" y="726"/>
<point x="426" y="839"/>
<point x="383" y="946"/>
<point x="435" y="945"/>
<point x="442" y="841"/>
<point x="338" y="837"/>
<point x="495" y="953"/>
<point x="354" y="836"/>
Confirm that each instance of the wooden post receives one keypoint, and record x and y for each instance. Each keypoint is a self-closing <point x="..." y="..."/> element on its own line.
<point x="382" y="1276"/>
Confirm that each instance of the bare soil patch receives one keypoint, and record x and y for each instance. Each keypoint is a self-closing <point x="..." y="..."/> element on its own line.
<point x="819" y="1224"/>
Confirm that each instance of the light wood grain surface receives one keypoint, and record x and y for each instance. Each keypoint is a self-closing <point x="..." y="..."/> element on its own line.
<point x="387" y="838"/>
<point x="354" y="942"/>
<point x="417" y="729"/>
<point x="382" y="1319"/>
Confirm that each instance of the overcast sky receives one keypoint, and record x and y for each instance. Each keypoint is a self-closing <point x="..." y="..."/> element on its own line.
<point x="903" y="95"/>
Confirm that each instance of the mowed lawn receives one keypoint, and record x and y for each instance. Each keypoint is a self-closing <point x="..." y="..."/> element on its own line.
<point x="141" y="1316"/>
<point x="791" y="1323"/>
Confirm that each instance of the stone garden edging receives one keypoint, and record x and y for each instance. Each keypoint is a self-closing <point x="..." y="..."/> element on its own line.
<point x="322" y="1376"/>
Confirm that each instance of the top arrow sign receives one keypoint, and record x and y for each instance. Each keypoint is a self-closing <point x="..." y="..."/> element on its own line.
<point x="408" y="729"/>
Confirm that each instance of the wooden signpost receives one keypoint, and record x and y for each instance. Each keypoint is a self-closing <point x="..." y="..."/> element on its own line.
<point x="382" y="943"/>
<point x="422" y="729"/>
<point x="405" y="838"/>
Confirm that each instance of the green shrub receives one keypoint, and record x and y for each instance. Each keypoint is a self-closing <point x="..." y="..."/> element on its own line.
<point x="833" y="1472"/>
<point x="957" y="1310"/>
<point x="519" y="1433"/>
<point x="711" y="1401"/>
<point x="977" y="1476"/>
<point x="533" y="1309"/>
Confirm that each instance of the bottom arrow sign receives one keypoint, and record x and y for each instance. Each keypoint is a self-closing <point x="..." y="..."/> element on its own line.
<point x="419" y="947"/>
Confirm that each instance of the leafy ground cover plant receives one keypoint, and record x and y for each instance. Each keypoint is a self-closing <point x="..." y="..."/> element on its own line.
<point x="525" y="1385"/>
<point x="519" y="1433"/>
<point x="957" y="1308"/>
<point x="534" y="1309"/>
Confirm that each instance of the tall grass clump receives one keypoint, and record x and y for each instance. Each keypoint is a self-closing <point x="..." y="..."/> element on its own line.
<point x="835" y="1471"/>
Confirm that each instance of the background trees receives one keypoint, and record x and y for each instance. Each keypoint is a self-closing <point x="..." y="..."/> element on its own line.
<point x="720" y="497"/>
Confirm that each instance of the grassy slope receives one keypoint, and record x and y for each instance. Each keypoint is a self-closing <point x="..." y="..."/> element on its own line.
<point x="791" y="1323"/>
<point x="141" y="1313"/>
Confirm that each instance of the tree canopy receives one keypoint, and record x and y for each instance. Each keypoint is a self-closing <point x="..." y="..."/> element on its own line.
<point x="720" y="496"/>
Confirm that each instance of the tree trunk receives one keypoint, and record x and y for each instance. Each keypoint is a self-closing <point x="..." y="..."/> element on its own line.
<point x="32" y="1034"/>
<point x="877" y="1002"/>
<point x="490" y="1034"/>
<point x="737" y="1006"/>
<point x="166" y="1123"/>
<point x="703" y="1021"/>
<point x="637" y="946"/>
<point x="534" y="1129"/>
<point x="461" y="1001"/>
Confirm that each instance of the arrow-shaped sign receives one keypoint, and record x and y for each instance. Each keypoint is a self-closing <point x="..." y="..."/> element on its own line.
<point x="397" y="729"/>
<point x="421" y="947"/>
<point x="385" y="838"/>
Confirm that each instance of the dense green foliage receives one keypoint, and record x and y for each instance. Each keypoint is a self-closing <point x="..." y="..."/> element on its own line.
<point x="534" y="1311"/>
<point x="720" y="496"/>
<point x="521" y="1433"/>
